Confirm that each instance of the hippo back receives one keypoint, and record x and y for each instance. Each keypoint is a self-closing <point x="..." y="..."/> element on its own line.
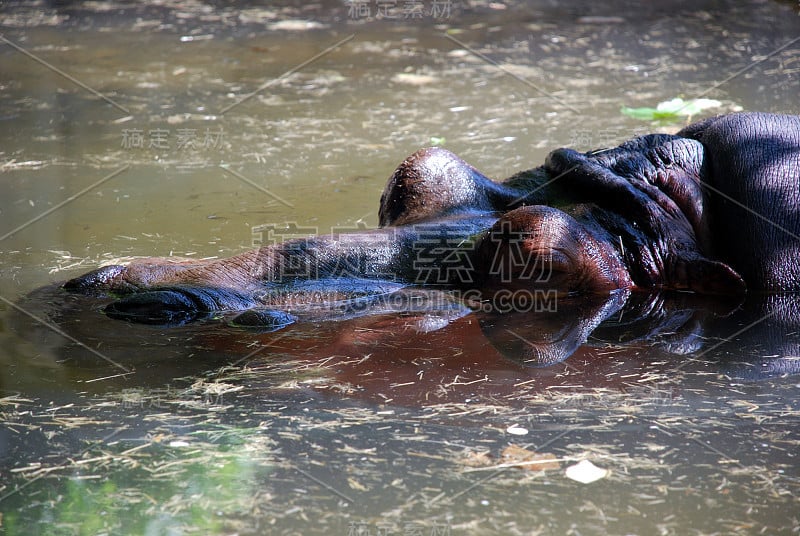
<point x="752" y="190"/>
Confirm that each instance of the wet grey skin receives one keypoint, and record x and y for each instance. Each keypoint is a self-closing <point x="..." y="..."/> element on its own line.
<point x="712" y="210"/>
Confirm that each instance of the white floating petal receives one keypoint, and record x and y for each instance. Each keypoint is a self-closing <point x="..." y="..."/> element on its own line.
<point x="586" y="472"/>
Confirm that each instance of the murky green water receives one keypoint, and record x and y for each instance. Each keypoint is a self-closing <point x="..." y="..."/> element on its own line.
<point x="213" y="120"/>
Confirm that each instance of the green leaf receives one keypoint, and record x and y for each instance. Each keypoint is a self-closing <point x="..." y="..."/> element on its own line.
<point x="671" y="109"/>
<point x="647" y="114"/>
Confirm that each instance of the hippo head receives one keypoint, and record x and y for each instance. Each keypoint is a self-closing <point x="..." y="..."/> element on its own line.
<point x="638" y="216"/>
<point x="581" y="223"/>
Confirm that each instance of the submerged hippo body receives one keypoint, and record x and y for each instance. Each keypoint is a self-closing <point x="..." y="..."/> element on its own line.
<point x="714" y="209"/>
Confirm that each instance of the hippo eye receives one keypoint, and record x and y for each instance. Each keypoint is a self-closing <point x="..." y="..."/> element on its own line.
<point x="542" y="264"/>
<point x="560" y="261"/>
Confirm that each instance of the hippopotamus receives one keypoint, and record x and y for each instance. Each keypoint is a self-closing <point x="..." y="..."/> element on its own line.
<point x="713" y="209"/>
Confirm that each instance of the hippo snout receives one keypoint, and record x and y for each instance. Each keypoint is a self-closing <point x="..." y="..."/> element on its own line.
<point x="177" y="305"/>
<point x="96" y="279"/>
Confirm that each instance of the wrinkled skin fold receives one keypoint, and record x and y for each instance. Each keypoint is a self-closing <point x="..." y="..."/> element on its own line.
<point x="712" y="210"/>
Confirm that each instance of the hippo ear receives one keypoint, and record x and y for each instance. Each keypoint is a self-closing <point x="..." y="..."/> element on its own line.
<point x="705" y="276"/>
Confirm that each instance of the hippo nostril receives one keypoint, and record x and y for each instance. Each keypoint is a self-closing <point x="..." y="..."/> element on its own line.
<point x="177" y="305"/>
<point x="158" y="307"/>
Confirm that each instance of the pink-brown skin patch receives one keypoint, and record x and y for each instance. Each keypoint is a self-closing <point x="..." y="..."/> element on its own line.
<point x="544" y="247"/>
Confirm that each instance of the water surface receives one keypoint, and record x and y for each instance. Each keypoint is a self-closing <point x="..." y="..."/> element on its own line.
<point x="212" y="124"/>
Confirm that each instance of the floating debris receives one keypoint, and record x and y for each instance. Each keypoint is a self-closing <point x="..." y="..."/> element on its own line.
<point x="586" y="472"/>
<point x="190" y="38"/>
<point x="414" y="79"/>
<point x="599" y="19"/>
<point x="672" y="109"/>
<point x="517" y="430"/>
<point x="295" y="25"/>
<point x="516" y="456"/>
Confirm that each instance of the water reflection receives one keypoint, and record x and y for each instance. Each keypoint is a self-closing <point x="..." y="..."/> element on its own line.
<point x="318" y="416"/>
<point x="417" y="345"/>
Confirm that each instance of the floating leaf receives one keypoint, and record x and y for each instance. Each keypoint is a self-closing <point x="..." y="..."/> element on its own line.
<point x="691" y="107"/>
<point x="472" y="458"/>
<point x="517" y="430"/>
<point x="646" y="114"/>
<point x="414" y="79"/>
<point x="356" y="485"/>
<point x="527" y="459"/>
<point x="672" y="109"/>
<point x="436" y="140"/>
<point x="586" y="472"/>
